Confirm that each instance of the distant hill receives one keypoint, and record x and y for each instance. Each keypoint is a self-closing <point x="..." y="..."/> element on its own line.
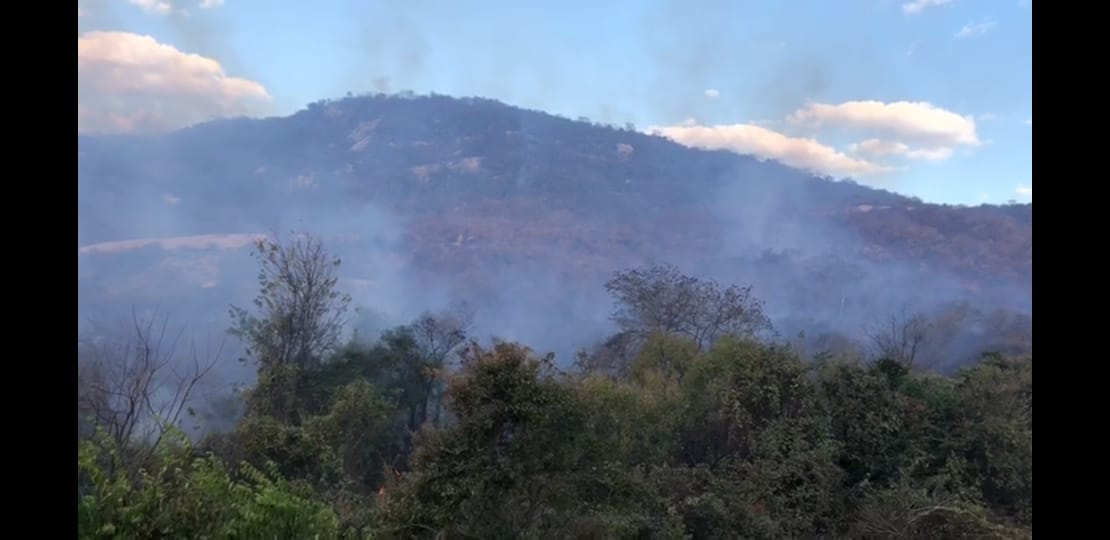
<point x="475" y="198"/>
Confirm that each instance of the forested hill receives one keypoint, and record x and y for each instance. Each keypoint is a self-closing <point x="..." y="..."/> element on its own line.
<point x="425" y="155"/>
<point x="478" y="198"/>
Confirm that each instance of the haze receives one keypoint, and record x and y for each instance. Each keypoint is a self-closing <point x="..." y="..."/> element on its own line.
<point x="650" y="269"/>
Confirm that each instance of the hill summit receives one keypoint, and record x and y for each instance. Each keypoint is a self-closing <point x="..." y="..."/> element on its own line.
<point x="523" y="214"/>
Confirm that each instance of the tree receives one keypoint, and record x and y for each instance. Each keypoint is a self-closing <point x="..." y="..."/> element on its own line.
<point x="302" y="312"/>
<point x="661" y="298"/>
<point x="185" y="495"/>
<point x="612" y="357"/>
<point x="995" y="433"/>
<point x="358" y="427"/>
<point x="520" y="462"/>
<point x="137" y="389"/>
<point x="907" y="511"/>
<point x="437" y="336"/>
<point x="902" y="339"/>
<point x="418" y="354"/>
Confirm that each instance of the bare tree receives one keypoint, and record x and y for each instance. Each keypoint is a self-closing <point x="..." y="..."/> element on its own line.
<point x="137" y="390"/>
<point x="662" y="299"/>
<point x="437" y="336"/>
<point x="301" y="312"/>
<point x="901" y="339"/>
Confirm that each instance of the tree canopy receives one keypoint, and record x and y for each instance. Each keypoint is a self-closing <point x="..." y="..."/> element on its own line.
<point x="712" y="428"/>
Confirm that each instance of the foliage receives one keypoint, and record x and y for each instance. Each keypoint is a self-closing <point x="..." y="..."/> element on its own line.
<point x="662" y="299"/>
<point x="995" y="433"/>
<point x="301" y="312"/>
<point x="703" y="431"/>
<point x="518" y="462"/>
<point x="299" y="452"/>
<point x="904" y="511"/>
<point x="358" y="427"/>
<point x="184" y="495"/>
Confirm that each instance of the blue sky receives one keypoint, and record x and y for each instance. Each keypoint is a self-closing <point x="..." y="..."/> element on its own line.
<point x="932" y="98"/>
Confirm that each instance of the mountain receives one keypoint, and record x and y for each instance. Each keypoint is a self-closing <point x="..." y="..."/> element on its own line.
<point x="524" y="215"/>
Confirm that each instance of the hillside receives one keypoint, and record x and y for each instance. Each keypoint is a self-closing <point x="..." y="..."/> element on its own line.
<point x="524" y="214"/>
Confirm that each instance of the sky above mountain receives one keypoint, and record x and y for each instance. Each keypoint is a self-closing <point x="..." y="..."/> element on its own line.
<point x="930" y="98"/>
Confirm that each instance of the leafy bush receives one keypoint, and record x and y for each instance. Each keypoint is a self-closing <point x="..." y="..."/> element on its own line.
<point x="184" y="495"/>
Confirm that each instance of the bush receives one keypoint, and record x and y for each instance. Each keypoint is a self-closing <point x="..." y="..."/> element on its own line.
<point x="184" y="495"/>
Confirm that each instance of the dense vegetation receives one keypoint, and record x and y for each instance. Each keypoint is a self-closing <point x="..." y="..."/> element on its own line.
<point x="693" y="421"/>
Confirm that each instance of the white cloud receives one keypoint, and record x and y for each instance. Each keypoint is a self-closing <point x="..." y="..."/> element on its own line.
<point x="171" y="199"/>
<point x="902" y="130"/>
<point x="878" y="148"/>
<point x="712" y="93"/>
<point x="209" y="4"/>
<point x="975" y="29"/>
<point x="930" y="154"/>
<point x="919" y="123"/>
<point x="81" y="12"/>
<point x="129" y="82"/>
<point x="160" y="7"/>
<point x="1025" y="192"/>
<point x="1029" y="121"/>
<point x="917" y="6"/>
<point x="750" y="139"/>
<point x="987" y="117"/>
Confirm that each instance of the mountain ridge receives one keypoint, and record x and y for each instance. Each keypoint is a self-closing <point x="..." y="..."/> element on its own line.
<point x="474" y="195"/>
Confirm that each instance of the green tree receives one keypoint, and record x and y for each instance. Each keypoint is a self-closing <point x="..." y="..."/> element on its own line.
<point x="916" y="513"/>
<point x="755" y="419"/>
<point x="661" y="298"/>
<point x="878" y="426"/>
<point x="359" y="428"/>
<point x="301" y="313"/>
<point x="518" y="463"/>
<point x="995" y="434"/>
<point x="183" y="495"/>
